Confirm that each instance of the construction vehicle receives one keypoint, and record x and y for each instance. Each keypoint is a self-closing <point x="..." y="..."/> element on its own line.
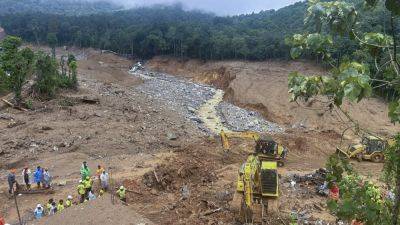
<point x="257" y="188"/>
<point x="371" y="148"/>
<point x="281" y="152"/>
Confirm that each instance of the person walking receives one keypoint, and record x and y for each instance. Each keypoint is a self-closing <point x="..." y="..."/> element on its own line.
<point x="85" y="171"/>
<point x="38" y="176"/>
<point x="81" y="191"/>
<point x="104" y="180"/>
<point x="39" y="212"/>
<point x="122" y="193"/>
<point x="46" y="179"/>
<point x="11" y="181"/>
<point x="26" y="174"/>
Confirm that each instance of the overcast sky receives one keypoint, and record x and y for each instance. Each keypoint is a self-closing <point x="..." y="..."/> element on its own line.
<point x="220" y="7"/>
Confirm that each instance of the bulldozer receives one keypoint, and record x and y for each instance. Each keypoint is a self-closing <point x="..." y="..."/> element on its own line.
<point x="281" y="152"/>
<point x="257" y="187"/>
<point x="371" y="148"/>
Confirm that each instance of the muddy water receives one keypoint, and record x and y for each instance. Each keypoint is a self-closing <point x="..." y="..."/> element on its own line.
<point x="209" y="115"/>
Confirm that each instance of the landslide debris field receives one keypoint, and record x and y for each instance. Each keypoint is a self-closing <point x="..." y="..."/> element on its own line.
<point x="156" y="131"/>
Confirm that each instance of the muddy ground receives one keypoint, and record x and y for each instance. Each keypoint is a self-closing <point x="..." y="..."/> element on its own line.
<point x="178" y="171"/>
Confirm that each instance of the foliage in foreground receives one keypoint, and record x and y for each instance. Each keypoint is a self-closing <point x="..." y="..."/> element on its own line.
<point x="354" y="77"/>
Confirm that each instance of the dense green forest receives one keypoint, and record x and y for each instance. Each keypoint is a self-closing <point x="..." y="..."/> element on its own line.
<point x="170" y="30"/>
<point x="65" y="7"/>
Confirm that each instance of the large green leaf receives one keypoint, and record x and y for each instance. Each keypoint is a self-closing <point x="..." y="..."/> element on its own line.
<point x="296" y="52"/>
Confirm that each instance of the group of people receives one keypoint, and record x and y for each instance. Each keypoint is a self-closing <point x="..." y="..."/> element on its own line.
<point x="84" y="189"/>
<point x="52" y="207"/>
<point x="41" y="177"/>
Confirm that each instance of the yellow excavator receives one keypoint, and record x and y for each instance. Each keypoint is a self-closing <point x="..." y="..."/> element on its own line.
<point x="371" y="148"/>
<point x="257" y="188"/>
<point x="281" y="152"/>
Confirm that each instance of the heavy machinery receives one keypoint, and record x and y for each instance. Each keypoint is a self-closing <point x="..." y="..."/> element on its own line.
<point x="281" y="152"/>
<point x="257" y="188"/>
<point x="371" y="148"/>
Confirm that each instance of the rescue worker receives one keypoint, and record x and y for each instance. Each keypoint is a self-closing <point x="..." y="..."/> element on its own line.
<point x="11" y="181"/>
<point x="49" y="205"/>
<point x="60" y="206"/>
<point x="38" y="176"/>
<point x="121" y="192"/>
<point x="26" y="174"/>
<point x="85" y="171"/>
<point x="88" y="186"/>
<point x="81" y="191"/>
<point x="68" y="203"/>
<point x="293" y="218"/>
<point x="39" y="212"/>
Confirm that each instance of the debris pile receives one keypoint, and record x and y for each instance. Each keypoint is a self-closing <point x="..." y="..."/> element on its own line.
<point x="186" y="97"/>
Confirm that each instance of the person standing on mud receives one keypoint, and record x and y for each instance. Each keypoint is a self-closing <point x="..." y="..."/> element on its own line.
<point x="104" y="180"/>
<point x="38" y="176"/>
<point x="11" y="181"/>
<point x="26" y="174"/>
<point x="85" y="171"/>
<point x="46" y="179"/>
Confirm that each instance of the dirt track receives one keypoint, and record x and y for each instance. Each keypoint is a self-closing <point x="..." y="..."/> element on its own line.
<point x="136" y="135"/>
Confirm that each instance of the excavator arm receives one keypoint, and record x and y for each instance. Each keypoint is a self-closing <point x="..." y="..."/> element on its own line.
<point x="243" y="135"/>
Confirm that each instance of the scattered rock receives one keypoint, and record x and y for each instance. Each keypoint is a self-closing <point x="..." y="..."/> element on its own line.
<point x="172" y="136"/>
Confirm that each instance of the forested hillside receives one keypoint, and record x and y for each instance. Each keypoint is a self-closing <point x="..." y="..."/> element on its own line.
<point x="69" y="7"/>
<point x="146" y="32"/>
<point x="170" y="30"/>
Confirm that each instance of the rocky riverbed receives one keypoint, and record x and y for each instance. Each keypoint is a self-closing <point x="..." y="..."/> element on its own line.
<point x="201" y="104"/>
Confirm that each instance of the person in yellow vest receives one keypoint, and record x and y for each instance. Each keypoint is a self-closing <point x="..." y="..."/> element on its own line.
<point x="68" y="203"/>
<point x="121" y="192"/>
<point x="60" y="206"/>
<point x="81" y="191"/>
<point x="88" y="185"/>
<point x="48" y="206"/>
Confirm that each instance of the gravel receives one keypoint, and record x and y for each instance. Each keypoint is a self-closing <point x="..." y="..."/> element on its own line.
<point x="185" y="97"/>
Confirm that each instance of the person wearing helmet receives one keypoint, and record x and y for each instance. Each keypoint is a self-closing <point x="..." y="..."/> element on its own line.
<point x="39" y="212"/>
<point x="81" y="191"/>
<point x="121" y="192"/>
<point x="88" y="182"/>
<point x="68" y="203"/>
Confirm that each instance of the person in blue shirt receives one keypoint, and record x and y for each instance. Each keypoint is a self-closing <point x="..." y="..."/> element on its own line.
<point x="38" y="176"/>
<point x="39" y="212"/>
